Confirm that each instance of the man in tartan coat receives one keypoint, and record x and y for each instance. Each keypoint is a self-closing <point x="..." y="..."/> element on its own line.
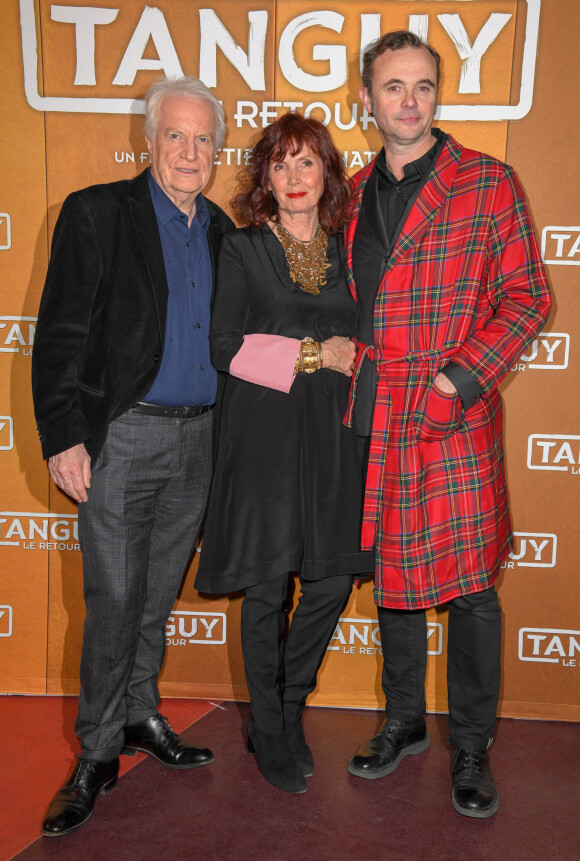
<point x="442" y="259"/>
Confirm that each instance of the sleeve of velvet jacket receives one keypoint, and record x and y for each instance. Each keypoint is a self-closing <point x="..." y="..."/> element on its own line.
<point x="517" y="290"/>
<point x="73" y="277"/>
<point x="260" y="358"/>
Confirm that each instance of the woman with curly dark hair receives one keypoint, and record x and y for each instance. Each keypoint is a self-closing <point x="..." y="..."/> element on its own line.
<point x="287" y="490"/>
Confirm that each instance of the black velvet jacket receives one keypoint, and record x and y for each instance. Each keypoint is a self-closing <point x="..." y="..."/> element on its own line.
<point x="101" y="323"/>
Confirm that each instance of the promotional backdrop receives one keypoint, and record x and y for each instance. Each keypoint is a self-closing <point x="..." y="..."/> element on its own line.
<point x="74" y="77"/>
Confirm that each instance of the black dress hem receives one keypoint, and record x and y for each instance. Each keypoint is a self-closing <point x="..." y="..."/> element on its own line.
<point x="357" y="564"/>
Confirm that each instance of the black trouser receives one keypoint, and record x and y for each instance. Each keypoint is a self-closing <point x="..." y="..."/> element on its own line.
<point x="280" y="677"/>
<point x="473" y="665"/>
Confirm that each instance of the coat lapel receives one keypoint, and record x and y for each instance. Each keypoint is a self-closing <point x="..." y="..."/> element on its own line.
<point x="145" y="222"/>
<point x="359" y="182"/>
<point x="213" y="240"/>
<point x="428" y="202"/>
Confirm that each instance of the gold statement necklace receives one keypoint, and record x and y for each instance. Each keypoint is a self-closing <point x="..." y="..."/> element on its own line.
<point x="307" y="261"/>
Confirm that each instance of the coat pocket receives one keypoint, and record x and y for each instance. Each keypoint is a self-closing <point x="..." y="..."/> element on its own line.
<point x="438" y="415"/>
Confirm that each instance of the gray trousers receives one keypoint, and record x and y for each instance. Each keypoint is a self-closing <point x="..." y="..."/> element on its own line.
<point x="145" y="506"/>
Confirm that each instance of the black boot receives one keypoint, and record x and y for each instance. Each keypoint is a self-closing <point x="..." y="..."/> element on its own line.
<point x="382" y="754"/>
<point x="73" y="804"/>
<point x="299" y="749"/>
<point x="474" y="792"/>
<point x="276" y="762"/>
<point x="155" y="737"/>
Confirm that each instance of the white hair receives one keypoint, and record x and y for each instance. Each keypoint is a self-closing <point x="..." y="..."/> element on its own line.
<point x="188" y="87"/>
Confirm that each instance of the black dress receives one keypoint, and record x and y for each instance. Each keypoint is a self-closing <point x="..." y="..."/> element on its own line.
<point x="287" y="490"/>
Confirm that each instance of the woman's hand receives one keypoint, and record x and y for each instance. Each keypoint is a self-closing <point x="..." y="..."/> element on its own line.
<point x="338" y="354"/>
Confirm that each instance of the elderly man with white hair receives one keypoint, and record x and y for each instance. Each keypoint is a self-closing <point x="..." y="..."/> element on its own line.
<point x="123" y="393"/>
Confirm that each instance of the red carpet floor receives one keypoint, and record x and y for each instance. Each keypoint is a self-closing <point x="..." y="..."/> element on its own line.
<point x="37" y="752"/>
<point x="226" y="811"/>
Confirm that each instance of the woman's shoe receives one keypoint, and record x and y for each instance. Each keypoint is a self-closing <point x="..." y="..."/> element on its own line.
<point x="299" y="749"/>
<point x="275" y="760"/>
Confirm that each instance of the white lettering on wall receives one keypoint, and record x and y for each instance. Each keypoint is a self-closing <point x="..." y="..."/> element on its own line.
<point x="469" y="54"/>
<point x="213" y="34"/>
<point x="85" y="19"/>
<point x="250" y="65"/>
<point x="152" y="25"/>
<point x="334" y="54"/>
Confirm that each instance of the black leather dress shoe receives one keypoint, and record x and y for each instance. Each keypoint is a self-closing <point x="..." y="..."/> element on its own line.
<point x="382" y="754"/>
<point x="474" y="792"/>
<point x="72" y="805"/>
<point x="155" y="737"/>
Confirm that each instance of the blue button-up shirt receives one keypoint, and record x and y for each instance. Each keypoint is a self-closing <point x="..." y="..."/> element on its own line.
<point x="186" y="375"/>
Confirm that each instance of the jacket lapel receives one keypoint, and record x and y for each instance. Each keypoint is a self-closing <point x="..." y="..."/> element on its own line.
<point x="145" y="222"/>
<point x="359" y="182"/>
<point x="428" y="202"/>
<point x="213" y="241"/>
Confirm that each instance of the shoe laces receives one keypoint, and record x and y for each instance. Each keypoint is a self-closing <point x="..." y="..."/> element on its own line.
<point x="391" y="727"/>
<point x="165" y="723"/>
<point x="470" y="759"/>
<point x="83" y="769"/>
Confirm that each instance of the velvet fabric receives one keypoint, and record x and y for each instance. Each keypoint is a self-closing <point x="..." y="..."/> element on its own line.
<point x="101" y="323"/>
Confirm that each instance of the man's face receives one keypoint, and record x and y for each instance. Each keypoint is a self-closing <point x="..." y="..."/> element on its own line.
<point x="404" y="96"/>
<point x="183" y="151"/>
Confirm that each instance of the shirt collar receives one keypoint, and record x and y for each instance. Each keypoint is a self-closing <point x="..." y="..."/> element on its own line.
<point x="421" y="166"/>
<point x="166" y="210"/>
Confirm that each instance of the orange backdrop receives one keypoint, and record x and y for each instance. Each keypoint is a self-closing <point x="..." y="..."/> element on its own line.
<point x="71" y="115"/>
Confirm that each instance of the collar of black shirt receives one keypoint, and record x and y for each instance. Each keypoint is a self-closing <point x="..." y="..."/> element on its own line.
<point x="421" y="166"/>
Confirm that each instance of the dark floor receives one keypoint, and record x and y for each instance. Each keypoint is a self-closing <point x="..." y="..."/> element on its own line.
<point x="226" y="811"/>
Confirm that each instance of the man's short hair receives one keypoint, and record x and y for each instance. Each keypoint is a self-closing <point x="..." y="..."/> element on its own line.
<point x="187" y="87"/>
<point x="393" y="41"/>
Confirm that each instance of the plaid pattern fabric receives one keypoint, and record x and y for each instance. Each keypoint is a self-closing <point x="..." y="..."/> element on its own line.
<point x="465" y="281"/>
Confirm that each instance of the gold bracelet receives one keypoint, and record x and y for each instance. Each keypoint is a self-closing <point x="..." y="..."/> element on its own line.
<point x="309" y="357"/>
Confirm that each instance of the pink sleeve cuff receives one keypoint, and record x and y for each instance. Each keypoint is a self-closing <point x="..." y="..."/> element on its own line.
<point x="267" y="360"/>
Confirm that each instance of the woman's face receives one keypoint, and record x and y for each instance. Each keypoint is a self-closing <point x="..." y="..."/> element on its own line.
<point x="297" y="183"/>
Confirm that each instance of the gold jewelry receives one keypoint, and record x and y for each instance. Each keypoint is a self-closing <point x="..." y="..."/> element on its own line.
<point x="307" y="261"/>
<point x="309" y="356"/>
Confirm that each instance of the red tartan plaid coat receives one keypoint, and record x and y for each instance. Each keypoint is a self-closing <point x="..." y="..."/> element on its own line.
<point x="465" y="281"/>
